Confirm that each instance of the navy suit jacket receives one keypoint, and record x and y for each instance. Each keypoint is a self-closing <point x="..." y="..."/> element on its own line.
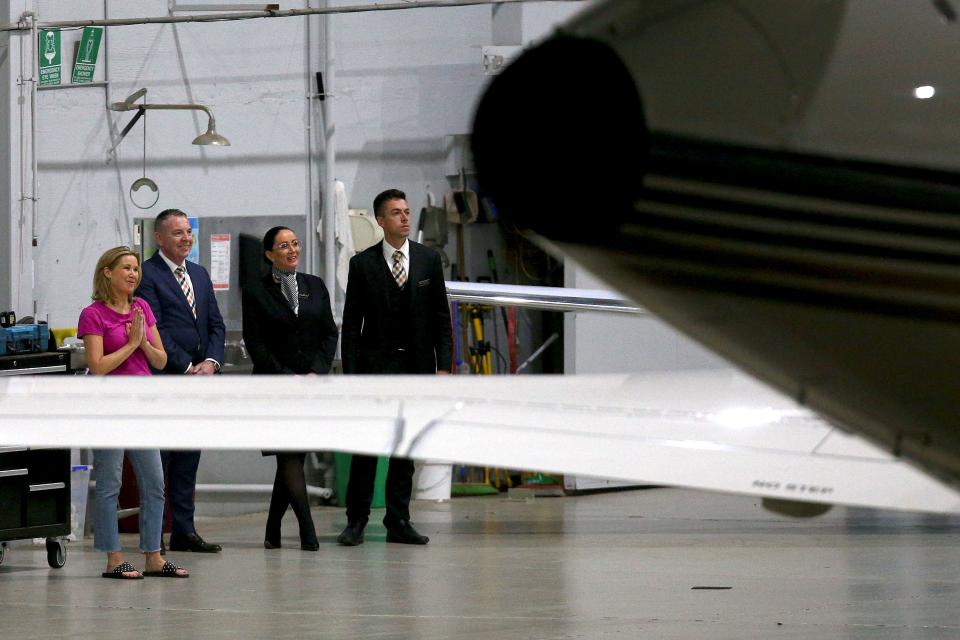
<point x="187" y="340"/>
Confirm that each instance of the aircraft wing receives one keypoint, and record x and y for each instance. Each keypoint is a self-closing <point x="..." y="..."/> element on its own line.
<point x="544" y="298"/>
<point x="715" y="430"/>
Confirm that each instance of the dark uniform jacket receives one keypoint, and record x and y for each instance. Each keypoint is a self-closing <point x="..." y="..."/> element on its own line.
<point x="380" y="318"/>
<point x="280" y="341"/>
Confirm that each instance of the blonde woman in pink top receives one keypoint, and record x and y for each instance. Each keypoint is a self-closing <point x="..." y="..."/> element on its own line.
<point x="120" y="336"/>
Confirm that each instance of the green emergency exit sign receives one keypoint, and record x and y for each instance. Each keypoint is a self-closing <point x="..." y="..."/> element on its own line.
<point x="87" y="52"/>
<point x="48" y="49"/>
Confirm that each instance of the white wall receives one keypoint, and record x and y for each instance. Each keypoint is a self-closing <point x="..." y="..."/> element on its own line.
<point x="404" y="80"/>
<point x="251" y="74"/>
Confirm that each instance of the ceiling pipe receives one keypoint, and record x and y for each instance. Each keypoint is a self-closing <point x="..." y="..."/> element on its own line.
<point x="250" y="15"/>
<point x="328" y="211"/>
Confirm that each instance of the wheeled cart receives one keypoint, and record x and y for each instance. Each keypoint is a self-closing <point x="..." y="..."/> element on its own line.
<point x="35" y="498"/>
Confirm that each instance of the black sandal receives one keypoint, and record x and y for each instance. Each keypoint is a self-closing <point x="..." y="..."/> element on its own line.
<point x="168" y="570"/>
<point x="117" y="572"/>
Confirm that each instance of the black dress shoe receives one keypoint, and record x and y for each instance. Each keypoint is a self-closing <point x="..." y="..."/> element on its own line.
<point x="404" y="533"/>
<point x="310" y="546"/>
<point x="192" y="542"/>
<point x="271" y="545"/>
<point x="352" y="535"/>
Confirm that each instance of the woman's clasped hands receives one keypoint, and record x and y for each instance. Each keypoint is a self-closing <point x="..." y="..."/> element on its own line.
<point x="136" y="329"/>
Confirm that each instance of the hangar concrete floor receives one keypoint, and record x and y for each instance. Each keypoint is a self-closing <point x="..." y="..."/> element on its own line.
<point x="659" y="563"/>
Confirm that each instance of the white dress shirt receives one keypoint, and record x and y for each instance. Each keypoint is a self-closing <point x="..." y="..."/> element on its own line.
<point x="174" y="267"/>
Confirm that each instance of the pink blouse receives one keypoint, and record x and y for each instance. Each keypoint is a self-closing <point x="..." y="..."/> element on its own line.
<point x="100" y="320"/>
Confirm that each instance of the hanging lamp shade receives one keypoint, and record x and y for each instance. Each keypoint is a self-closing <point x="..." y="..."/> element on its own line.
<point x="211" y="137"/>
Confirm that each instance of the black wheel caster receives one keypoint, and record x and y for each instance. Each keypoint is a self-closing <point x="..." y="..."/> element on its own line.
<point x="56" y="553"/>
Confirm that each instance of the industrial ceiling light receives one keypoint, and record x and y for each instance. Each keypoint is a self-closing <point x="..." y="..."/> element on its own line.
<point x="211" y="137"/>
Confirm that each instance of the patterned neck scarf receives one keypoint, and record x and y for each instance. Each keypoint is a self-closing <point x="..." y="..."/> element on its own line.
<point x="288" y="284"/>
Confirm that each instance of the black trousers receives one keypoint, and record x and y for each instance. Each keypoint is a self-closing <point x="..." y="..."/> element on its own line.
<point x="363" y="469"/>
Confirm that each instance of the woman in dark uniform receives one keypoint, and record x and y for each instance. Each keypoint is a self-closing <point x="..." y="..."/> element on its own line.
<point x="288" y="328"/>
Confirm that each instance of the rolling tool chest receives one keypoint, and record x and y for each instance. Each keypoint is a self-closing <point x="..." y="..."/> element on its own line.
<point x="35" y="498"/>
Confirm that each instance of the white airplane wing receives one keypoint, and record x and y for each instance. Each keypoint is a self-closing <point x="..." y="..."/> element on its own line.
<point x="714" y="430"/>
<point x="536" y="297"/>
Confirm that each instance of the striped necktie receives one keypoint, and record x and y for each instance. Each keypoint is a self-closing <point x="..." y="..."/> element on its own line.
<point x="399" y="273"/>
<point x="180" y="272"/>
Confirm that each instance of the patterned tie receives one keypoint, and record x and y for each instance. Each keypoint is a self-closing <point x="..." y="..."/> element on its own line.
<point x="180" y="272"/>
<point x="399" y="273"/>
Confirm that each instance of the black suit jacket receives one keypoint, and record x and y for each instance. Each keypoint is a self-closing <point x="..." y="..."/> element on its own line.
<point x="187" y="340"/>
<point x="280" y="341"/>
<point x="366" y="317"/>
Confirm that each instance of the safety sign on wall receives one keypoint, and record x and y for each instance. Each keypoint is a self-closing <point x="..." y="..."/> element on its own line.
<point x="48" y="49"/>
<point x="87" y="52"/>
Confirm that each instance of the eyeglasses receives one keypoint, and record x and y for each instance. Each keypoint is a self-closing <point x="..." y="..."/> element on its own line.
<point x="286" y="246"/>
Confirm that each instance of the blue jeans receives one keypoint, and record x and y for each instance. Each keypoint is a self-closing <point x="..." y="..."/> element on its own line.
<point x="108" y="470"/>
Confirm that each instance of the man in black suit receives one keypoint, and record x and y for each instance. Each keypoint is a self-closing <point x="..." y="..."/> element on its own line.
<point x="180" y="294"/>
<point x="396" y="320"/>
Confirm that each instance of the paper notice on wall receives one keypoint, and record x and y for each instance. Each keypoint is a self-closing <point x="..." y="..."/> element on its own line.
<point x="220" y="261"/>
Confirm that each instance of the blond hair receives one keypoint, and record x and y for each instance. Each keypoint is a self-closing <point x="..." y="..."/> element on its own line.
<point x="102" y="287"/>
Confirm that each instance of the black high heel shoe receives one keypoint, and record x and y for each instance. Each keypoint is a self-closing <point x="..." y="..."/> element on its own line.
<point x="271" y="542"/>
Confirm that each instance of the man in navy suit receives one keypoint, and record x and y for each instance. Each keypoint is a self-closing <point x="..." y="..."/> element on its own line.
<point x="396" y="320"/>
<point x="180" y="294"/>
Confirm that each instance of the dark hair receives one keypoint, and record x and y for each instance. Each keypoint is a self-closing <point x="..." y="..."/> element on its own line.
<point x="269" y="238"/>
<point x="163" y="215"/>
<point x="389" y="194"/>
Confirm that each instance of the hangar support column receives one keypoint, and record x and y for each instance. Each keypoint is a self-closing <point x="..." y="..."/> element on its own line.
<point x="16" y="173"/>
